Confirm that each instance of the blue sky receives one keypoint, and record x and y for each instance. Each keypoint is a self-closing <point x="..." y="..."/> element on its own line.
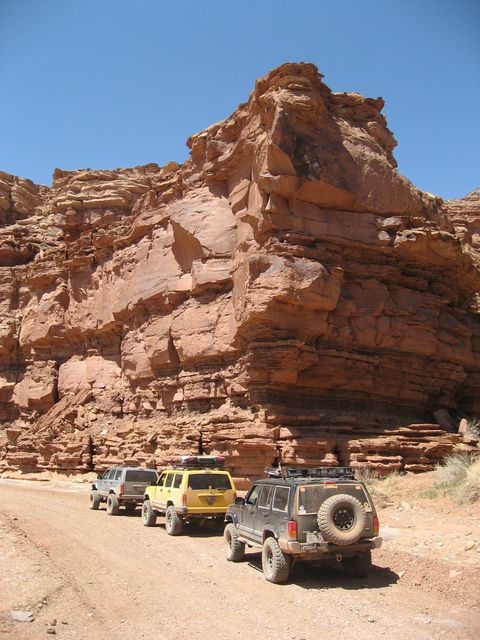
<point x="116" y="83"/>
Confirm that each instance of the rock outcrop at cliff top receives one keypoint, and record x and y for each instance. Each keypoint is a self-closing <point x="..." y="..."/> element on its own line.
<point x="283" y="294"/>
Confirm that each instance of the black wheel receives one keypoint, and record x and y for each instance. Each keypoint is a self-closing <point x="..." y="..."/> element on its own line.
<point x="94" y="500"/>
<point x="341" y="519"/>
<point x="130" y="507"/>
<point x="149" y="517"/>
<point x="173" y="522"/>
<point x="113" y="506"/>
<point x="358" y="566"/>
<point x="276" y="566"/>
<point x="234" y="548"/>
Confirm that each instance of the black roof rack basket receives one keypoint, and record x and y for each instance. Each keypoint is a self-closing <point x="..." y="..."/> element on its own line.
<point x="311" y="472"/>
<point x="201" y="462"/>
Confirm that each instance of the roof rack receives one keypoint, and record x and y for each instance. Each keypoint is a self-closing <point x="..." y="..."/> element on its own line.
<point x="201" y="462"/>
<point x="311" y="472"/>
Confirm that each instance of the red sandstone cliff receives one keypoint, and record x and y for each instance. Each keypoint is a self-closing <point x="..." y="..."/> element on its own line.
<point x="284" y="292"/>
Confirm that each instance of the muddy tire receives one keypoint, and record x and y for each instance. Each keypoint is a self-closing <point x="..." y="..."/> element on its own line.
<point x="149" y="517"/>
<point x="341" y="519"/>
<point x="94" y="500"/>
<point x="113" y="506"/>
<point x="276" y="566"/>
<point x="358" y="566"/>
<point x="234" y="548"/>
<point x="173" y="522"/>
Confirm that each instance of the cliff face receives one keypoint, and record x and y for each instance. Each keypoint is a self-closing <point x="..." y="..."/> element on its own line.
<point x="285" y="292"/>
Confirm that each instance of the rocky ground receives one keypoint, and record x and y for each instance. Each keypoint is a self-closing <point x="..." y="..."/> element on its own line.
<point x="84" y="575"/>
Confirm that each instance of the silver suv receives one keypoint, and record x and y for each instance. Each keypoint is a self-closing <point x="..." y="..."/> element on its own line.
<point x="121" y="486"/>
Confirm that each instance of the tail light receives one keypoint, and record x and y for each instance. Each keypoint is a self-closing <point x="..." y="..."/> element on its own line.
<point x="122" y="488"/>
<point x="184" y="499"/>
<point x="376" y="526"/>
<point x="292" y="530"/>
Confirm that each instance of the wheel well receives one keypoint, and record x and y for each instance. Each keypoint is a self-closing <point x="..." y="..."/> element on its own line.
<point x="267" y="534"/>
<point x="94" y="487"/>
<point x="169" y="503"/>
<point x="111" y="492"/>
<point x="228" y="519"/>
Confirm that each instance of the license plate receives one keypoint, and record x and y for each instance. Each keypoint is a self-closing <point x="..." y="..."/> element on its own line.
<point x="210" y="499"/>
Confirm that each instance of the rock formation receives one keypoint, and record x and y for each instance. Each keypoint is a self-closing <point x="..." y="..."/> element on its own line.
<point x="283" y="294"/>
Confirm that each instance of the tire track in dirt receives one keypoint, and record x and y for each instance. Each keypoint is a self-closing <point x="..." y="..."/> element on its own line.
<point x="138" y="582"/>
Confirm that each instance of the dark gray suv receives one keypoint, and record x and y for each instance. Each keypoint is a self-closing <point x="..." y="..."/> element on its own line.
<point x="121" y="486"/>
<point x="310" y="514"/>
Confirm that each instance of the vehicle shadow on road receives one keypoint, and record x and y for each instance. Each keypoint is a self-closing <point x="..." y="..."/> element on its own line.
<point x="194" y="530"/>
<point x="330" y="575"/>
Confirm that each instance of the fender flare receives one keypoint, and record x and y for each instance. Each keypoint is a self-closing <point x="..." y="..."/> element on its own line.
<point x="231" y="517"/>
<point x="269" y="532"/>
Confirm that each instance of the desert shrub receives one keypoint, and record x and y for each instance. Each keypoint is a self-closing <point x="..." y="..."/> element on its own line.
<point x="459" y="478"/>
<point x="473" y="428"/>
<point x="381" y="488"/>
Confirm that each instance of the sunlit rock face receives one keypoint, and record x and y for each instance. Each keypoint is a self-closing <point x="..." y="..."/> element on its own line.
<point x="283" y="295"/>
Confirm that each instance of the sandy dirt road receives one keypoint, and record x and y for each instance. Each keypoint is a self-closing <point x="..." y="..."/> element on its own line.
<point x="99" y="577"/>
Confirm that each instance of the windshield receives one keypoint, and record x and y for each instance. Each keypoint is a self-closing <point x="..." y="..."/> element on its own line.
<point x="209" y="481"/>
<point x="140" y="476"/>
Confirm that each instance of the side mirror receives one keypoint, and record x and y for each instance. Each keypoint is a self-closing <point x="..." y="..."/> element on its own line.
<point x="153" y="483"/>
<point x="99" y="476"/>
<point x="239" y="500"/>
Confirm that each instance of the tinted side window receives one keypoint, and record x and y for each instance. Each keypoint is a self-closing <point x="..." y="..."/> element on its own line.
<point x="252" y="497"/>
<point x="177" y="481"/>
<point x="106" y="475"/>
<point x="118" y="474"/>
<point x="265" y="497"/>
<point x="280" y="499"/>
<point x="169" y="481"/>
<point x="162" y="479"/>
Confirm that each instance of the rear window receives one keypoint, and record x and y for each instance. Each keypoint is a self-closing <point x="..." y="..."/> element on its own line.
<point x="311" y="497"/>
<point x="141" y="476"/>
<point x="209" y="481"/>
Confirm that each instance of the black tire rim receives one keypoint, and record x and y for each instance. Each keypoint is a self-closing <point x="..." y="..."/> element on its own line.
<point x="344" y="519"/>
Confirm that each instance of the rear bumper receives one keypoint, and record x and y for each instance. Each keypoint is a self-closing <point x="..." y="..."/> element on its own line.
<point x="129" y="498"/>
<point x="326" y="549"/>
<point x="201" y="512"/>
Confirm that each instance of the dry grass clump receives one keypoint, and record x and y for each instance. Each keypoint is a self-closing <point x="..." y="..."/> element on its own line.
<point x="384" y="489"/>
<point x="473" y="429"/>
<point x="458" y="477"/>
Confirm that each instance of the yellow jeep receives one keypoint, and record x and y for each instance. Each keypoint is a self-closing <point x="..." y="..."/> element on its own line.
<point x="197" y="488"/>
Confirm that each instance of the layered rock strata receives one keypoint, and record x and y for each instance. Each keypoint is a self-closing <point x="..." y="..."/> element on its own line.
<point x="284" y="294"/>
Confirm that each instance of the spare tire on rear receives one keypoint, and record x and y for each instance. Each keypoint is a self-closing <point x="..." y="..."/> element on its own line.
<point x="341" y="519"/>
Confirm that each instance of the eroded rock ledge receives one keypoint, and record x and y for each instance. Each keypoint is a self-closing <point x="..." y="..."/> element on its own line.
<point x="284" y="293"/>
